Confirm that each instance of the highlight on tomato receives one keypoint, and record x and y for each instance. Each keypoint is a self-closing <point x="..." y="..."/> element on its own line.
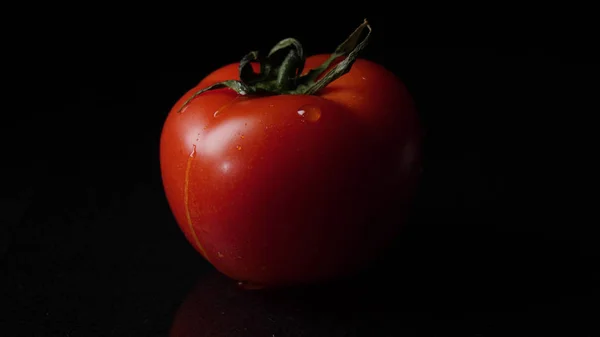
<point x="288" y="169"/>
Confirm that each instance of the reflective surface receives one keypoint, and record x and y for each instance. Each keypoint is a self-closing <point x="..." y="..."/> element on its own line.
<point x="128" y="271"/>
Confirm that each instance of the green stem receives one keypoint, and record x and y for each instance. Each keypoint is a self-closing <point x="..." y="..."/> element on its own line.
<point x="281" y="71"/>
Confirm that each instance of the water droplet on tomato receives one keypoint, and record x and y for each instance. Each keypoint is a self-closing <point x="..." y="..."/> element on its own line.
<point x="225" y="167"/>
<point x="227" y="105"/>
<point x="193" y="153"/>
<point x="249" y="285"/>
<point x="242" y="136"/>
<point x="239" y="147"/>
<point x="310" y="113"/>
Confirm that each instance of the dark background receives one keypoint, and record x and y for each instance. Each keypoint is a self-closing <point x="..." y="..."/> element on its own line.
<point x="500" y="239"/>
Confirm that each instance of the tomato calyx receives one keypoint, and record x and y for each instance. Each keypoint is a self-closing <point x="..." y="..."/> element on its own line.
<point x="281" y="71"/>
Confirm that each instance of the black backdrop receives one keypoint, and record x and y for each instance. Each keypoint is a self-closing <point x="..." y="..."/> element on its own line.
<point x="499" y="238"/>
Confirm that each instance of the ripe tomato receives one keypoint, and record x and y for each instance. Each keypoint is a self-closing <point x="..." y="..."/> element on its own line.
<point x="285" y="188"/>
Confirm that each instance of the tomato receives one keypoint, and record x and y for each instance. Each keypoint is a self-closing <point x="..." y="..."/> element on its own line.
<point x="285" y="188"/>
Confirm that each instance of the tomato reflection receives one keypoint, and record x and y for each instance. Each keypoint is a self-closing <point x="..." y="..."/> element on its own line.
<point x="217" y="306"/>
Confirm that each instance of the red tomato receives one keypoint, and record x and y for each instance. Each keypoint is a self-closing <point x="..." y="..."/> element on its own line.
<point x="292" y="188"/>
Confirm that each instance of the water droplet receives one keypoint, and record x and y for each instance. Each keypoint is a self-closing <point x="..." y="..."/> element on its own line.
<point x="225" y="167"/>
<point x="220" y="255"/>
<point x="242" y="136"/>
<point x="239" y="147"/>
<point x="310" y="112"/>
<point x="205" y="127"/>
<point x="364" y="78"/>
<point x="193" y="153"/>
<point x="249" y="285"/>
<point x="227" y="105"/>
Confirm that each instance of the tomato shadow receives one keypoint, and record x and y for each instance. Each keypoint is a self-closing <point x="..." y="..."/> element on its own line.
<point x="427" y="283"/>
<point x="217" y="306"/>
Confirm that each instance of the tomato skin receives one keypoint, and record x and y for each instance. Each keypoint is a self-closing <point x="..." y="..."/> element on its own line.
<point x="276" y="197"/>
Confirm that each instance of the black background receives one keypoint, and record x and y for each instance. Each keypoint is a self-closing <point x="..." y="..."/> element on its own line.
<point x="500" y="239"/>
